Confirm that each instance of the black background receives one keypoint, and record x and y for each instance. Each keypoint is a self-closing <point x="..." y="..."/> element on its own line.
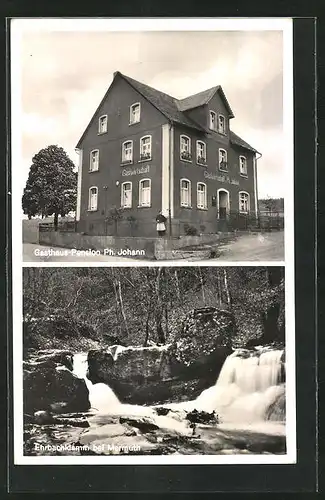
<point x="300" y="477"/>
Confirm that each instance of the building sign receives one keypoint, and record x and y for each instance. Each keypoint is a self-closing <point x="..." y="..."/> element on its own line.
<point x="145" y="169"/>
<point x="220" y="178"/>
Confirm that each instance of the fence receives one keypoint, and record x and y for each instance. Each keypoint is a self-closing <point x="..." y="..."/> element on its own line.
<point x="234" y="221"/>
<point x="65" y="226"/>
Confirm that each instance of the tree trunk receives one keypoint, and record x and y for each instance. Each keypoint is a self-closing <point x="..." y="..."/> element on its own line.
<point x="122" y="306"/>
<point x="56" y="217"/>
<point x="202" y="286"/>
<point x="145" y="343"/>
<point x="159" y="309"/>
<point x="228" y="295"/>
<point x="270" y="317"/>
<point x="219" y="288"/>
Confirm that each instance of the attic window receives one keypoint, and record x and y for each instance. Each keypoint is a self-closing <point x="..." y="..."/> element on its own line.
<point x="102" y="124"/>
<point x="213" y="121"/>
<point x="221" y="124"/>
<point x="135" y="113"/>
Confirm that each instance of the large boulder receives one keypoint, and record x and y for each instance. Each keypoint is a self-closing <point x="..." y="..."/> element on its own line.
<point x="50" y="385"/>
<point x="177" y="371"/>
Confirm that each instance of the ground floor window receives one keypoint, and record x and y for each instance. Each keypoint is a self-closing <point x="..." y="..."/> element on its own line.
<point x="201" y="195"/>
<point x="244" y="202"/>
<point x="145" y="193"/>
<point x="185" y="193"/>
<point x="126" y="195"/>
<point x="93" y="198"/>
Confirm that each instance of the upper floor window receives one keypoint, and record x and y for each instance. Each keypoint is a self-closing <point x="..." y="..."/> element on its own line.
<point x="201" y="153"/>
<point x="94" y="160"/>
<point x="102" y="124"/>
<point x="213" y="121"/>
<point x="145" y="148"/>
<point x="242" y="165"/>
<point x="221" y="124"/>
<point x="93" y="198"/>
<point x="185" y="193"/>
<point x="201" y="201"/>
<point x="223" y="165"/>
<point x="135" y="113"/>
<point x="185" y="148"/>
<point x="126" y="195"/>
<point x="244" y="202"/>
<point x="145" y="193"/>
<point x="127" y="152"/>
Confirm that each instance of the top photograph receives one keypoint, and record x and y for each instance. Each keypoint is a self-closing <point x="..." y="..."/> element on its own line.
<point x="150" y="145"/>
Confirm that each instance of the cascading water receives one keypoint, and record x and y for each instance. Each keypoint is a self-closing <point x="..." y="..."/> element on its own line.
<point x="101" y="396"/>
<point x="248" y="384"/>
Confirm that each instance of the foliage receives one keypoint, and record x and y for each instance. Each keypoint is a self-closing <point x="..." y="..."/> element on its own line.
<point x="190" y="230"/>
<point x="51" y="187"/>
<point x="141" y="305"/>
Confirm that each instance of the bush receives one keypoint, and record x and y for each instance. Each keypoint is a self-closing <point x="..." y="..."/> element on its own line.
<point x="190" y="230"/>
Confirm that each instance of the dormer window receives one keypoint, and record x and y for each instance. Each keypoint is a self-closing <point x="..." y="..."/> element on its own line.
<point x="223" y="165"/>
<point x="102" y="124"/>
<point x="185" y="148"/>
<point x="201" y="153"/>
<point x="213" y="121"/>
<point x="221" y="124"/>
<point x="135" y="113"/>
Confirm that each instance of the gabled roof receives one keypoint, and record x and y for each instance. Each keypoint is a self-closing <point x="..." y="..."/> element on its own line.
<point x="238" y="141"/>
<point x="165" y="103"/>
<point x="174" y="109"/>
<point x="196" y="100"/>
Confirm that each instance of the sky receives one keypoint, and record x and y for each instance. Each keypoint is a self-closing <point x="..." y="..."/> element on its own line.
<point x="64" y="76"/>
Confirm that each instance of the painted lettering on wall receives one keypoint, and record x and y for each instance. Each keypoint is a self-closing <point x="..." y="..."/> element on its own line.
<point x="145" y="169"/>
<point x="220" y="178"/>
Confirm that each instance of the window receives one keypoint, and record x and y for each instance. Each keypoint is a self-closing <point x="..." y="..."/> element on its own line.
<point x="213" y="121"/>
<point x="94" y="160"/>
<point x="243" y="202"/>
<point x="102" y="124"/>
<point x="201" y="195"/>
<point x="127" y="152"/>
<point x="242" y="165"/>
<point x="185" y="193"/>
<point x="145" y="193"/>
<point x="201" y="158"/>
<point x="223" y="160"/>
<point x="126" y="195"/>
<point x="93" y="198"/>
<point x="135" y="113"/>
<point x="221" y="124"/>
<point x="145" y="148"/>
<point x="185" y="148"/>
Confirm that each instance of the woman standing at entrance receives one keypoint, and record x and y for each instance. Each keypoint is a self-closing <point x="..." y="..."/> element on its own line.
<point x="161" y="223"/>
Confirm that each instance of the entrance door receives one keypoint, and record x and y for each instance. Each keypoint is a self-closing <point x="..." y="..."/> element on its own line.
<point x="223" y="208"/>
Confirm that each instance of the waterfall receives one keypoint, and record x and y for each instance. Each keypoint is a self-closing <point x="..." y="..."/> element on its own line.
<point x="248" y="384"/>
<point x="101" y="396"/>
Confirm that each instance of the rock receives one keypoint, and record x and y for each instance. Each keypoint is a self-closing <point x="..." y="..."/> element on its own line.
<point x="144" y="424"/>
<point x="174" y="372"/>
<point x="51" y="386"/>
<point x="277" y="410"/>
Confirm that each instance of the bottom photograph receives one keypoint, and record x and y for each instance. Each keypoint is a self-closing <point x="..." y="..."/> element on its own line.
<point x="154" y="361"/>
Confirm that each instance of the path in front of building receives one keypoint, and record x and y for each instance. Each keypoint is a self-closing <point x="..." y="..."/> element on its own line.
<point x="30" y="251"/>
<point x="250" y="247"/>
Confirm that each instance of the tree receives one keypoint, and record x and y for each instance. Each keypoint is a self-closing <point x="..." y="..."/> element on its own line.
<point x="51" y="187"/>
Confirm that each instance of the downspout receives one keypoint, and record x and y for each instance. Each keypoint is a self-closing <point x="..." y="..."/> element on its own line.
<point x="170" y="153"/>
<point x="255" y="184"/>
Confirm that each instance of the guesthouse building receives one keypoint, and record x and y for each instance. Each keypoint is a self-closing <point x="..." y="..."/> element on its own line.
<point x="145" y="151"/>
